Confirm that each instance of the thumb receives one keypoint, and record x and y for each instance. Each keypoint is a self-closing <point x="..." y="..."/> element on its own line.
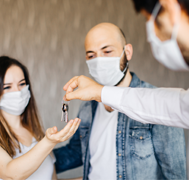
<point x="53" y="130"/>
<point x="71" y="95"/>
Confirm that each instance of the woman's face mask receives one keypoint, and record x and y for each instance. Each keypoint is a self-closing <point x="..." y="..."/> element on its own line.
<point x="15" y="102"/>
<point x="166" y="52"/>
<point x="106" y="70"/>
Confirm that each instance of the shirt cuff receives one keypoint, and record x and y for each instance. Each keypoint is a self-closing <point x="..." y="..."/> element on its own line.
<point x="112" y="96"/>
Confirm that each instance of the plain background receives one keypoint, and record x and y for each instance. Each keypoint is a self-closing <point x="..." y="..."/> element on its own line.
<point x="48" y="37"/>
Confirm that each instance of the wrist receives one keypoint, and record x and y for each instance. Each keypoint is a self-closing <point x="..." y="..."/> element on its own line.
<point x="49" y="142"/>
<point x="99" y="92"/>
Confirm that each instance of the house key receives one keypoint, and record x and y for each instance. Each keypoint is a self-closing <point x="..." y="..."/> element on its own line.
<point x="65" y="112"/>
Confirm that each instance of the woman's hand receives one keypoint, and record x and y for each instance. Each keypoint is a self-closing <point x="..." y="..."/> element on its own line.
<point x="54" y="136"/>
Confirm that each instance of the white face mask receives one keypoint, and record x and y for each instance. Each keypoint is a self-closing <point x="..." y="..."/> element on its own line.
<point x="15" y="102"/>
<point x="167" y="52"/>
<point x="106" y="70"/>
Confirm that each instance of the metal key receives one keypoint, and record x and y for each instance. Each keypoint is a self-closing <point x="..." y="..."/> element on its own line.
<point x="65" y="112"/>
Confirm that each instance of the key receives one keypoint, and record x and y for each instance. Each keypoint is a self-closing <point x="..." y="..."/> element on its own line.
<point x="65" y="112"/>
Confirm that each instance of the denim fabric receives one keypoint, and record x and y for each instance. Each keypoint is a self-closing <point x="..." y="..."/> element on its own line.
<point x="148" y="152"/>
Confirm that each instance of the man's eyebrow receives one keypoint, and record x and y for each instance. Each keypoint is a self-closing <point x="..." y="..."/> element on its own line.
<point x="89" y="52"/>
<point x="105" y="47"/>
<point x="101" y="49"/>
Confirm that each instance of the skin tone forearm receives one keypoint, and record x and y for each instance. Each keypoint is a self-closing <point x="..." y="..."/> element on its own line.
<point x="25" y="165"/>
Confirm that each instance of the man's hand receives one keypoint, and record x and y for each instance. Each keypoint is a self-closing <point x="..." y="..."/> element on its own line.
<point x="55" y="137"/>
<point x="87" y="89"/>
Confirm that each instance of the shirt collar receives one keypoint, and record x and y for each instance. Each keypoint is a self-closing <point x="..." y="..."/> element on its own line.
<point x="135" y="82"/>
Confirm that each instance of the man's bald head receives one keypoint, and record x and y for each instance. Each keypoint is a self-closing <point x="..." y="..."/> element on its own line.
<point x="108" y="31"/>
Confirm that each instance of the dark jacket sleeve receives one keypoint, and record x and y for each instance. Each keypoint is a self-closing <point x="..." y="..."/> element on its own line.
<point x="69" y="156"/>
<point x="169" y="148"/>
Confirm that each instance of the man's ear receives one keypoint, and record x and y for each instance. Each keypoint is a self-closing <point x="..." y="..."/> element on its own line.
<point x="172" y="8"/>
<point x="129" y="51"/>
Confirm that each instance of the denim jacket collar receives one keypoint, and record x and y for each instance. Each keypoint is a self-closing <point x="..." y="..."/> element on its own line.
<point x="135" y="82"/>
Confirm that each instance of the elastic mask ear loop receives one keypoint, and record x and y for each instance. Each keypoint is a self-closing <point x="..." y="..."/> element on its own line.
<point x="156" y="10"/>
<point x="126" y="67"/>
<point x="122" y="52"/>
<point x="176" y="26"/>
<point x="155" y="13"/>
<point x="126" y="63"/>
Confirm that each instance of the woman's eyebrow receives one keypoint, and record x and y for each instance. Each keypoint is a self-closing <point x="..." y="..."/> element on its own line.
<point x="7" y="84"/>
<point x="21" y="80"/>
<point x="11" y="83"/>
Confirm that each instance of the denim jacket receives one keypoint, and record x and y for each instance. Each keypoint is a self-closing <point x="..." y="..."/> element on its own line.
<point x="148" y="152"/>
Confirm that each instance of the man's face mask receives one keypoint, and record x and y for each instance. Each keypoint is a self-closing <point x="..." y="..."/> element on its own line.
<point x="106" y="70"/>
<point x="166" y="52"/>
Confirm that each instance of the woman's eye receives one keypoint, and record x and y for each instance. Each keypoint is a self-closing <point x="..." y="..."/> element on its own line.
<point x="23" y="84"/>
<point x="5" y="88"/>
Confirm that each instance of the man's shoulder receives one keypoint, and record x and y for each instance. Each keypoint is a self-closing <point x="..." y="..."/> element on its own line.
<point x="147" y="85"/>
<point x="138" y="83"/>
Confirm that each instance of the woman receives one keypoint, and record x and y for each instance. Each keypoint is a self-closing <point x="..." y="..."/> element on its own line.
<point x="24" y="149"/>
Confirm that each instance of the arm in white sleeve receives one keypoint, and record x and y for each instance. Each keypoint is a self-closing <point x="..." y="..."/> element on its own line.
<point x="165" y="106"/>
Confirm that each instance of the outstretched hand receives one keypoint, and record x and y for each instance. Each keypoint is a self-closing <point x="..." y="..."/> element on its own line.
<point x="87" y="89"/>
<point x="54" y="136"/>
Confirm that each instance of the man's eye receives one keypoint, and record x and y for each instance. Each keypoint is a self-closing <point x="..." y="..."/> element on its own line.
<point x="90" y="57"/>
<point x="8" y="87"/>
<point x="108" y="52"/>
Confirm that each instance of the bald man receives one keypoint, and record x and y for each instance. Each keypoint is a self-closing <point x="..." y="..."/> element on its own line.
<point x="110" y="144"/>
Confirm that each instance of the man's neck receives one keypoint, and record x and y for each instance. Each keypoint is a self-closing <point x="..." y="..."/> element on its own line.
<point x="124" y="83"/>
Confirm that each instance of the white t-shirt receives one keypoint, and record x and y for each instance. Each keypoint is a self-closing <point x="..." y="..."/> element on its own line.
<point x="102" y="145"/>
<point x="45" y="171"/>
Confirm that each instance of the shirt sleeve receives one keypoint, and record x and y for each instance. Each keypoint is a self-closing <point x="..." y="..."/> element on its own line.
<point x="166" y="106"/>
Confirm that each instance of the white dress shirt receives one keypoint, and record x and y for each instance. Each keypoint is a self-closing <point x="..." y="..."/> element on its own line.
<point x="102" y="145"/>
<point x="166" y="106"/>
